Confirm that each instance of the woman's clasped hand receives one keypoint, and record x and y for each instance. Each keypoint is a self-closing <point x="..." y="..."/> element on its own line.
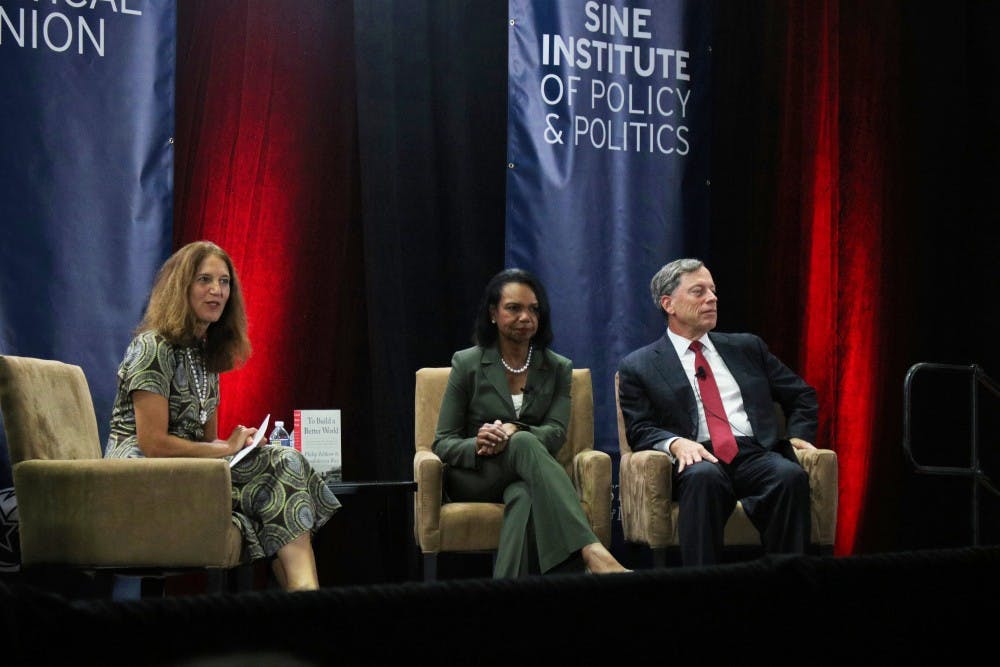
<point x="492" y="438"/>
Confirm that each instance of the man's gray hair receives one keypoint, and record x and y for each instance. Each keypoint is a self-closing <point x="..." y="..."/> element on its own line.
<point x="668" y="278"/>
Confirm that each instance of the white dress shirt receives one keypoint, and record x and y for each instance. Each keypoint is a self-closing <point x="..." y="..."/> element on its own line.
<point x="732" y="399"/>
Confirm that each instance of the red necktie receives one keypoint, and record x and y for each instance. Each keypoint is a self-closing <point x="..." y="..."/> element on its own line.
<point x="723" y="442"/>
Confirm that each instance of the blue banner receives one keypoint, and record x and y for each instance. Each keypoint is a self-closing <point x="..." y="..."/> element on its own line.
<point x="86" y="166"/>
<point x="608" y="167"/>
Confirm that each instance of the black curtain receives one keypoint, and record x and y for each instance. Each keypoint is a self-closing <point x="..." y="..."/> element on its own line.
<point x="432" y="82"/>
<point x="949" y="246"/>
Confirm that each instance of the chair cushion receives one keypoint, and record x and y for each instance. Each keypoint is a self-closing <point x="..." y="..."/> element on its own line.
<point x="470" y="526"/>
<point x="170" y="512"/>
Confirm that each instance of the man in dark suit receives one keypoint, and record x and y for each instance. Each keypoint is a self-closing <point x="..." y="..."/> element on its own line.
<point x="707" y="401"/>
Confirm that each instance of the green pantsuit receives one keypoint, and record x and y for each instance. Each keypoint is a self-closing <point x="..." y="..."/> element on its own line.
<point x="543" y="522"/>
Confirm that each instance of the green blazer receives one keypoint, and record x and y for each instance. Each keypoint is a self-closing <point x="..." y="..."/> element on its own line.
<point x="477" y="392"/>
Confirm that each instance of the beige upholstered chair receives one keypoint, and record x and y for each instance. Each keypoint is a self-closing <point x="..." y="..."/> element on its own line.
<point x="474" y="527"/>
<point x="149" y="517"/>
<point x="649" y="512"/>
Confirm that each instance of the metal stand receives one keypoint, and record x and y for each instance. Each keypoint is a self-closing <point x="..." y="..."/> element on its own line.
<point x="977" y="378"/>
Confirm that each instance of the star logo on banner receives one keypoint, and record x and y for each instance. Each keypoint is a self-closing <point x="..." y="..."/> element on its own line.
<point x="9" y="543"/>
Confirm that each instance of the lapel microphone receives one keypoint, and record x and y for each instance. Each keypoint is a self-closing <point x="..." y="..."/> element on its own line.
<point x="701" y="374"/>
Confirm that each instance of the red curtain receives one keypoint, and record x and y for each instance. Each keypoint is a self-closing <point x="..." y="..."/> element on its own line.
<point x="266" y="168"/>
<point x="832" y="210"/>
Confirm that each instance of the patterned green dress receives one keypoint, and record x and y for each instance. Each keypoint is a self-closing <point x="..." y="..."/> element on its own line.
<point x="277" y="495"/>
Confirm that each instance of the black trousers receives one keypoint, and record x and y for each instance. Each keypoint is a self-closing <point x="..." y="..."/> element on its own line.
<point x="774" y="492"/>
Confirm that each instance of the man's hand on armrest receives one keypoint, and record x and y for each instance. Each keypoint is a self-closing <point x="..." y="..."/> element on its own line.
<point x="799" y="443"/>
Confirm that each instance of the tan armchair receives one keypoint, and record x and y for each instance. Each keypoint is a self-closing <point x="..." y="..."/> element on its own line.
<point x="649" y="512"/>
<point x="147" y="517"/>
<point x="472" y="527"/>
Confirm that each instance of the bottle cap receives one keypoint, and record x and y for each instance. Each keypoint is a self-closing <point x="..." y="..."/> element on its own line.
<point x="279" y="423"/>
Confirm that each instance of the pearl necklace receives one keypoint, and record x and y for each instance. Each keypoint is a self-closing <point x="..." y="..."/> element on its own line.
<point x="527" y="362"/>
<point x="200" y="376"/>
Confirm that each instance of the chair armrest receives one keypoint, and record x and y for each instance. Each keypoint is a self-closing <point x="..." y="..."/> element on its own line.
<point x="645" y="487"/>
<point x="428" y="471"/>
<point x="592" y="478"/>
<point x="125" y="512"/>
<point x="656" y="473"/>
<point x="821" y="466"/>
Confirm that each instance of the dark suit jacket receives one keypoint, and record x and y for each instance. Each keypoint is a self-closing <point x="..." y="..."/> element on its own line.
<point x="657" y="401"/>
<point x="478" y="392"/>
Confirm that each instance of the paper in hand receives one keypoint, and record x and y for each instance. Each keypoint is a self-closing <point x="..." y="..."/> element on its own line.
<point x="258" y="436"/>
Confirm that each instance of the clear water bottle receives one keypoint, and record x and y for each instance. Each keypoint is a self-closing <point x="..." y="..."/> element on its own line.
<point x="279" y="436"/>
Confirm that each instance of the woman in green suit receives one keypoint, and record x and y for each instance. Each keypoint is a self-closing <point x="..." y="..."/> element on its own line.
<point x="503" y="418"/>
